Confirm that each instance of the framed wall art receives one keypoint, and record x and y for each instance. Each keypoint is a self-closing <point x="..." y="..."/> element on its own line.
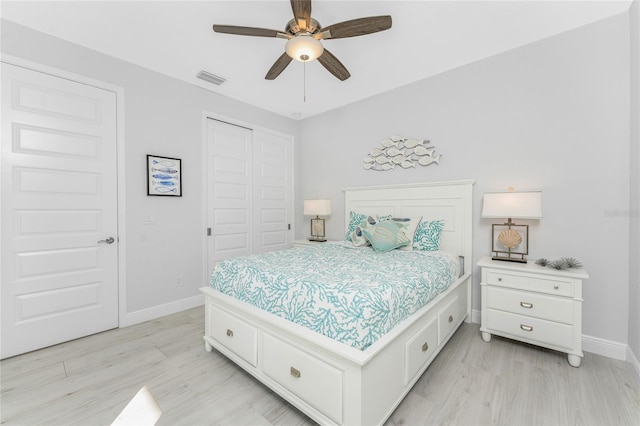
<point x="164" y="176"/>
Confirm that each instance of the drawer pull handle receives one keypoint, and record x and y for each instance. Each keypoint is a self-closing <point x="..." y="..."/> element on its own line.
<point x="295" y="372"/>
<point x="450" y="318"/>
<point x="425" y="347"/>
<point x="526" y="327"/>
<point x="229" y="333"/>
<point x="499" y="278"/>
<point x="526" y="305"/>
<point x="556" y="286"/>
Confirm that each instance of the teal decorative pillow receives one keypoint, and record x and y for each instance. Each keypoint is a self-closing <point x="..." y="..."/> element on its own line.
<point x="386" y="236"/>
<point x="355" y="219"/>
<point x="427" y="236"/>
<point x="357" y="237"/>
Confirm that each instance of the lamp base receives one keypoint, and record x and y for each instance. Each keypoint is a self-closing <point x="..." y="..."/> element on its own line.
<point x="317" y="239"/>
<point x="510" y="259"/>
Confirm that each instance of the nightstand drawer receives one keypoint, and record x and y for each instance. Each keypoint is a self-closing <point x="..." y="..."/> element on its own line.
<point x="536" y="305"/>
<point x="551" y="285"/>
<point x="532" y="329"/>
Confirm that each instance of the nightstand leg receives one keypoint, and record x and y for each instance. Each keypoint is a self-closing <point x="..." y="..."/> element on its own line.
<point x="208" y="347"/>
<point x="574" y="360"/>
<point x="486" y="336"/>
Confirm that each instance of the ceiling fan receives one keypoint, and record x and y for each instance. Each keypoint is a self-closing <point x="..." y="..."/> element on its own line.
<point x="303" y="35"/>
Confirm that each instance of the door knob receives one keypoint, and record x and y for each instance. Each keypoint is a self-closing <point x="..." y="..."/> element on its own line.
<point x="109" y="240"/>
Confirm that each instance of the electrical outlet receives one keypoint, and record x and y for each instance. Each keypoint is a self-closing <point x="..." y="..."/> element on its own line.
<point x="179" y="281"/>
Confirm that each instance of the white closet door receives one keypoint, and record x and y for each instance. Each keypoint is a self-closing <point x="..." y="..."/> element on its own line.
<point x="230" y="191"/>
<point x="273" y="189"/>
<point x="249" y="191"/>
<point x="59" y="200"/>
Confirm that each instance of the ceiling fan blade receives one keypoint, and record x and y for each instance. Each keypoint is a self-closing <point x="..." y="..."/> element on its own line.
<point x="356" y="27"/>
<point x="302" y="13"/>
<point x="248" y="31"/>
<point x="278" y="66"/>
<point x="333" y="65"/>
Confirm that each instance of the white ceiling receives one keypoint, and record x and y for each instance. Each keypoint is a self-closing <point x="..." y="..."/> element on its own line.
<point x="428" y="37"/>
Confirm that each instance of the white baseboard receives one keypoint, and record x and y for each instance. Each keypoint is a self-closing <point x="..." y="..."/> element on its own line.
<point x="476" y="316"/>
<point x="633" y="359"/>
<point x="162" y="310"/>
<point x="608" y="348"/>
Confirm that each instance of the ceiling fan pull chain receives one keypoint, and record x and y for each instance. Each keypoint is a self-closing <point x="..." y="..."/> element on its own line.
<point x="304" y="82"/>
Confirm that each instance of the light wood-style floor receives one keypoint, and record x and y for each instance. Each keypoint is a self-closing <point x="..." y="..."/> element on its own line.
<point x="89" y="381"/>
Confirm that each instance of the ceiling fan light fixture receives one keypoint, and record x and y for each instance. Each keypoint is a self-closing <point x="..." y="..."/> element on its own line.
<point x="304" y="48"/>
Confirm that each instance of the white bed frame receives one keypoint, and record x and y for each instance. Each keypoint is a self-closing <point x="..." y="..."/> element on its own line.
<point x="334" y="383"/>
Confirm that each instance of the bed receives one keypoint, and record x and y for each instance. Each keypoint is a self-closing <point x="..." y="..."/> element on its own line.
<point x="361" y="379"/>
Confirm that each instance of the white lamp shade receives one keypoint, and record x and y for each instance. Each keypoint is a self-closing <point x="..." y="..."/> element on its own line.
<point x="515" y="205"/>
<point x="317" y="207"/>
<point x="304" y="48"/>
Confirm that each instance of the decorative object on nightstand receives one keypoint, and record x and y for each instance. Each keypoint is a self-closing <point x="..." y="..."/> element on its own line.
<point x="317" y="208"/>
<point x="510" y="241"/>
<point x="562" y="263"/>
<point x="533" y="304"/>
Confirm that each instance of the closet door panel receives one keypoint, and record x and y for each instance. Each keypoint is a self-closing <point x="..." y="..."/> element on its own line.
<point x="230" y="193"/>
<point x="249" y="191"/>
<point x="273" y="189"/>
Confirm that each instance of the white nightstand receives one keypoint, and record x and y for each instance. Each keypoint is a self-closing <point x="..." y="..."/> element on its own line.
<point x="533" y="304"/>
<point x="300" y="243"/>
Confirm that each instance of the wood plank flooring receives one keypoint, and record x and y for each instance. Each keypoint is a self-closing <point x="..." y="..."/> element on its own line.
<point x="89" y="381"/>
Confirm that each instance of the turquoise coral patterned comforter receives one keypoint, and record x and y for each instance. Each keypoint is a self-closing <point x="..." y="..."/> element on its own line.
<point x="352" y="295"/>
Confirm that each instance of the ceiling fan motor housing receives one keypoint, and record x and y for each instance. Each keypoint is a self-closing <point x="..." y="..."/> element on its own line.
<point x="293" y="27"/>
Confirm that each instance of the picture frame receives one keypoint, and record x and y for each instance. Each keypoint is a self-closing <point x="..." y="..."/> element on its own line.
<point x="516" y="252"/>
<point x="164" y="176"/>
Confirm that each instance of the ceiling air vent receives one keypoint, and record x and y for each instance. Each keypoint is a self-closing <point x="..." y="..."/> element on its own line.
<point x="211" y="78"/>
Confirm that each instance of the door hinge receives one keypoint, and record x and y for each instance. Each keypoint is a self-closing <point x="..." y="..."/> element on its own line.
<point x="289" y="226"/>
<point x="208" y="232"/>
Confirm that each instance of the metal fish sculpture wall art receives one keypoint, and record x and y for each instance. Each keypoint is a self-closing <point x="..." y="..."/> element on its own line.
<point x="400" y="151"/>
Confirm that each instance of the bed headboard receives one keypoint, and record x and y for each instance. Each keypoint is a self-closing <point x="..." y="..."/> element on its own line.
<point x="451" y="201"/>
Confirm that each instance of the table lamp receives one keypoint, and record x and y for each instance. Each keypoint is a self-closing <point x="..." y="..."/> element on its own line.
<point x="317" y="208"/>
<point x="510" y="241"/>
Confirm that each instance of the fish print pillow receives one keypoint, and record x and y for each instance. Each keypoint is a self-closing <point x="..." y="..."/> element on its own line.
<point x="409" y="226"/>
<point x="386" y="236"/>
<point x="355" y="219"/>
<point x="427" y="236"/>
<point x="357" y="237"/>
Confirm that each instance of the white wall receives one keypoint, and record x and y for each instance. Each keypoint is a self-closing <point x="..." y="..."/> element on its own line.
<point x="553" y="115"/>
<point x="634" y="247"/>
<point x="163" y="116"/>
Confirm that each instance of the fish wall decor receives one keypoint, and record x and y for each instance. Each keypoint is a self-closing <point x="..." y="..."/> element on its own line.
<point x="401" y="152"/>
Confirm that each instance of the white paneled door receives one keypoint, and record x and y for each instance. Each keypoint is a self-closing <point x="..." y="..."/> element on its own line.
<point x="229" y="191"/>
<point x="273" y="191"/>
<point x="249" y="191"/>
<point x="59" y="210"/>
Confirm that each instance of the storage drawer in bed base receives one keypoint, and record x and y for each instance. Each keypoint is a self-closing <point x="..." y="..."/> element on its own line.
<point x="340" y="384"/>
